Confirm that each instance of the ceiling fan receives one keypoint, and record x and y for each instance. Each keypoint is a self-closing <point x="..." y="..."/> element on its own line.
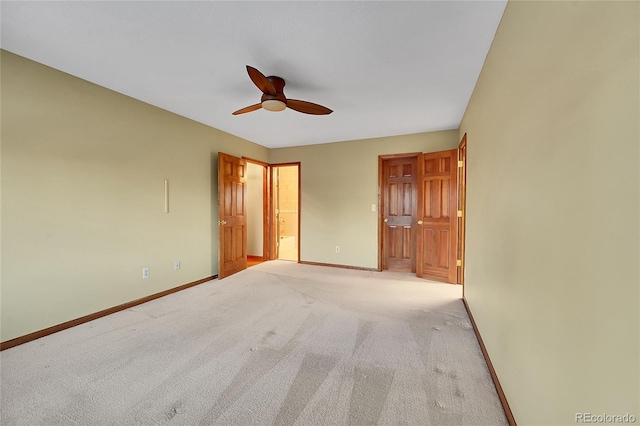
<point x="273" y="98"/>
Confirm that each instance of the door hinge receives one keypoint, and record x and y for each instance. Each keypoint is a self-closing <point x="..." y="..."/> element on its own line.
<point x="459" y="213"/>
<point x="458" y="262"/>
<point x="460" y="163"/>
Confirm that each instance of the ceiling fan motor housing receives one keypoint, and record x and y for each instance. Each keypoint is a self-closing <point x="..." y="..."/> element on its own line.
<point x="277" y="102"/>
<point x="278" y="84"/>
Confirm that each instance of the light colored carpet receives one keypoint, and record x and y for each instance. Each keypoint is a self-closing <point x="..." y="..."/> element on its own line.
<point x="278" y="344"/>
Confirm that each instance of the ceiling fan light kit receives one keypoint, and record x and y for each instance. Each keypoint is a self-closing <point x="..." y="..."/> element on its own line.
<point x="273" y="105"/>
<point x="273" y="98"/>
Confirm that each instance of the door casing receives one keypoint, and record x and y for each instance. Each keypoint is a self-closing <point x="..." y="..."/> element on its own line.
<point x="462" y="206"/>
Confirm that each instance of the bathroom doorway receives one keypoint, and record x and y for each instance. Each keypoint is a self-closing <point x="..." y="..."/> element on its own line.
<point x="286" y="211"/>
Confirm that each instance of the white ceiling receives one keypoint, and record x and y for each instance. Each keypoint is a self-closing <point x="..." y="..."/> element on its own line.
<point x="385" y="68"/>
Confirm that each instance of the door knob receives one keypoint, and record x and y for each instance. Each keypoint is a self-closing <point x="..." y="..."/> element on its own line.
<point x="222" y="222"/>
<point x="386" y="220"/>
<point x="420" y="222"/>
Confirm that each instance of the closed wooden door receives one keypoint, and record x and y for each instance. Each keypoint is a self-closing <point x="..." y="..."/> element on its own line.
<point x="399" y="204"/>
<point x="232" y="214"/>
<point x="437" y="216"/>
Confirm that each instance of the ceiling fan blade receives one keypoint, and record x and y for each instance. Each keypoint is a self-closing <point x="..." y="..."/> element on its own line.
<point x="248" y="109"/>
<point x="261" y="81"/>
<point x="308" y="107"/>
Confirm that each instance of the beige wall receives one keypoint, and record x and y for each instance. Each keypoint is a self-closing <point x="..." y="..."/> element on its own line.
<point x="83" y="172"/>
<point x="552" y="216"/>
<point x="339" y="183"/>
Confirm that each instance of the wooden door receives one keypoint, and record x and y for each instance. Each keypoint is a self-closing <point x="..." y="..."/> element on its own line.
<point x="437" y="216"/>
<point x="399" y="209"/>
<point x="462" y="204"/>
<point x="232" y="214"/>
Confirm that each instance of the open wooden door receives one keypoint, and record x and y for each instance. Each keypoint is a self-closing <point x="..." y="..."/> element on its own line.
<point x="232" y="215"/>
<point x="437" y="216"/>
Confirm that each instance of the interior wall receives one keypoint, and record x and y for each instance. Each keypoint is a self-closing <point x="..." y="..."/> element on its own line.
<point x="553" y="190"/>
<point x="255" y="224"/>
<point x="83" y="172"/>
<point x="339" y="184"/>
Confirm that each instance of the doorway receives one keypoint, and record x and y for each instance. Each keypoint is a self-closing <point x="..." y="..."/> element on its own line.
<point x="418" y="224"/>
<point x="286" y="211"/>
<point x="258" y="213"/>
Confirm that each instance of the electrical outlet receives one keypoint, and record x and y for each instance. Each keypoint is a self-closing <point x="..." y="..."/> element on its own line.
<point x="145" y="272"/>
<point x="337" y="249"/>
<point x="176" y="265"/>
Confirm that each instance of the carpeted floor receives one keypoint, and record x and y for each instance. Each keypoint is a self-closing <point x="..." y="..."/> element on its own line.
<point x="278" y="344"/>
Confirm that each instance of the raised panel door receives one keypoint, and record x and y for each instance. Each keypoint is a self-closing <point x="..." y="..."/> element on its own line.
<point x="399" y="201"/>
<point x="232" y="215"/>
<point x="437" y="215"/>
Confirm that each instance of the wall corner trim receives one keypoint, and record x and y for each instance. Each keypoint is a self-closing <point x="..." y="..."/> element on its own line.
<point x="492" y="371"/>
<point x="54" y="329"/>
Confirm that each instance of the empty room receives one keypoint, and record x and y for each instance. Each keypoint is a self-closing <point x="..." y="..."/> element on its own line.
<point x="319" y="213"/>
